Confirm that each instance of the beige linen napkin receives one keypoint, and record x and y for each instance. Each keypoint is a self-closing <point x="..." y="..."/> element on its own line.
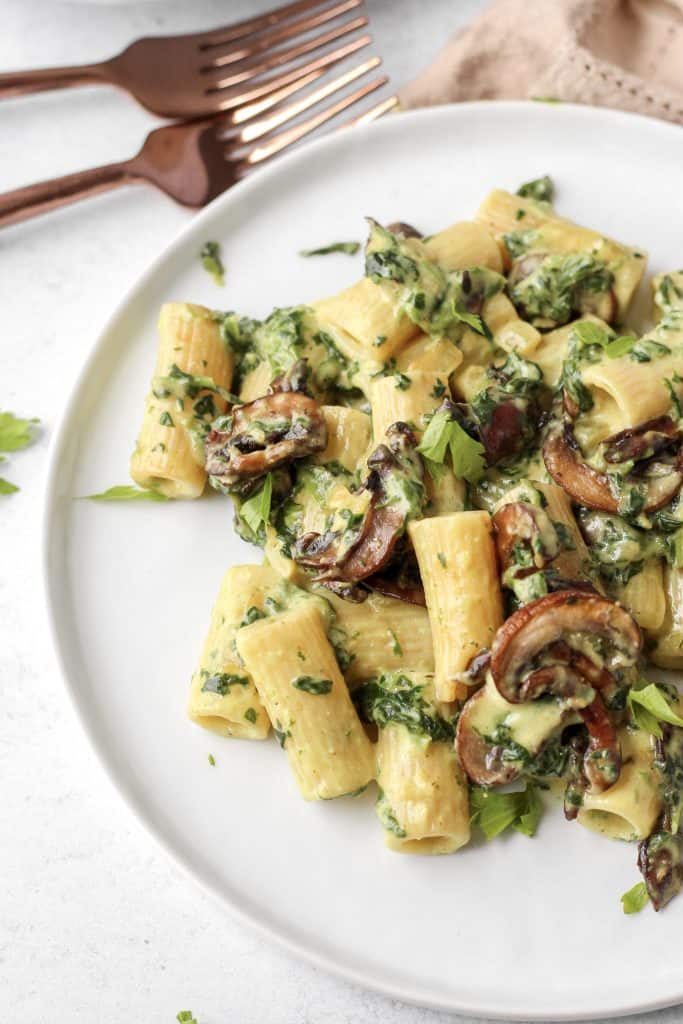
<point x="612" y="53"/>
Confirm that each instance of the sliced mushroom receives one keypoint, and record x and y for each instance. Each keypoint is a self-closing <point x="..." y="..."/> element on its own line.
<point x="505" y="432"/>
<point x="485" y="762"/>
<point x="660" y="474"/>
<point x="399" y="227"/>
<point x="520" y="523"/>
<point x="395" y="482"/>
<point x="263" y="434"/>
<point x="394" y="588"/>
<point x="602" y="759"/>
<point x="660" y="859"/>
<point x="542" y="648"/>
<point x="669" y="762"/>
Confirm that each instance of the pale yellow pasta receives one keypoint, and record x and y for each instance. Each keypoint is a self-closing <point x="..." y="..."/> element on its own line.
<point x="553" y="234"/>
<point x="644" y="595"/>
<point x="371" y="313"/>
<point x="667" y="651"/>
<point x="223" y="697"/>
<point x="629" y="809"/>
<point x="349" y="434"/>
<point x="574" y="562"/>
<point x="167" y="456"/>
<point x="256" y="382"/>
<point x="423" y="802"/>
<point x="633" y="392"/>
<point x="289" y="656"/>
<point x="381" y="634"/>
<point x="530" y="724"/>
<point x="432" y="355"/>
<point x="409" y="398"/>
<point x="457" y="561"/>
<point x="551" y="352"/>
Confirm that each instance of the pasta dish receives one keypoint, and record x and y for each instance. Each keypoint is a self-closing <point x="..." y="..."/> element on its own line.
<point x="465" y="475"/>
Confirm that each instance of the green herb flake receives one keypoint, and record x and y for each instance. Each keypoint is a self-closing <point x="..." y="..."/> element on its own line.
<point x="212" y="263"/>
<point x="439" y="390"/>
<point x="650" y="706"/>
<point x="166" y="420"/>
<point x="251" y="715"/>
<point x="308" y="684"/>
<point x="443" y="561"/>
<point x="620" y="346"/>
<point x="444" y="434"/>
<point x="126" y="492"/>
<point x="635" y="899"/>
<point x="540" y="188"/>
<point x="402" y="381"/>
<point x="212" y="759"/>
<point x="15" y="433"/>
<point x="350" y="248"/>
<point x="589" y="333"/>
<point x="395" y="645"/>
<point x="519" y="214"/>
<point x="256" y="510"/>
<point x="221" y="683"/>
<point x="495" y="812"/>
<point x="6" y="487"/>
<point x="186" y="1017"/>
<point x="546" y="99"/>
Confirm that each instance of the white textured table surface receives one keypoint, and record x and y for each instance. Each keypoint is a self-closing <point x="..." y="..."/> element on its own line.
<point x="95" y="924"/>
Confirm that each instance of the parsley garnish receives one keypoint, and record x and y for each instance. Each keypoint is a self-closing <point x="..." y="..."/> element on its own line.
<point x="166" y="420"/>
<point x="212" y="263"/>
<point x="256" y="510"/>
<point x="212" y="759"/>
<point x="6" y="487"/>
<point x="539" y="188"/>
<point x="445" y="434"/>
<point x="126" y="492"/>
<point x="620" y="346"/>
<point x="350" y="248"/>
<point x="439" y="390"/>
<point x="185" y="1017"/>
<point x="650" y="706"/>
<point x="15" y="433"/>
<point x="635" y="899"/>
<point x="395" y="645"/>
<point x="442" y="559"/>
<point x="308" y="684"/>
<point x="589" y="333"/>
<point x="402" y="381"/>
<point x="251" y="715"/>
<point x="495" y="812"/>
<point x="221" y="682"/>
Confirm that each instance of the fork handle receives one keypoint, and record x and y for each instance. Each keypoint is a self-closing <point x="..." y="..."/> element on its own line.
<point x="17" y="83"/>
<point x="22" y="203"/>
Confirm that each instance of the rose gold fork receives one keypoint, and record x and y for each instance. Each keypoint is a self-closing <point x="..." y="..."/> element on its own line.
<point x="192" y="75"/>
<point x="193" y="162"/>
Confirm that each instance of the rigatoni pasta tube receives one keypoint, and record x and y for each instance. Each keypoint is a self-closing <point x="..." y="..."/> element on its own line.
<point x="303" y="690"/>
<point x="167" y="456"/>
<point x="457" y="561"/>
<point x="348" y="436"/>
<point x="407" y="398"/>
<point x="667" y="651"/>
<point x="629" y="809"/>
<point x="223" y="697"/>
<point x="423" y="801"/>
<point x="381" y="634"/>
<point x="643" y="595"/>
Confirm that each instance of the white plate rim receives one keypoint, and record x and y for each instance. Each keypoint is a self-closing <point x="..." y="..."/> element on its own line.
<point x="56" y="450"/>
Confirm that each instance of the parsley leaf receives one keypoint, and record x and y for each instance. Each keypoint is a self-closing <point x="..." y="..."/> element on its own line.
<point x="308" y="684"/>
<point x="256" y="510"/>
<point x="350" y="248"/>
<point x="589" y="333"/>
<point x="539" y="188"/>
<point x="620" y="346"/>
<point x="650" y="706"/>
<point x="6" y="487"/>
<point x="186" y="1017"/>
<point x="212" y="263"/>
<point x="445" y="434"/>
<point x="494" y="812"/>
<point x="15" y="433"/>
<point x="635" y="899"/>
<point x="126" y="492"/>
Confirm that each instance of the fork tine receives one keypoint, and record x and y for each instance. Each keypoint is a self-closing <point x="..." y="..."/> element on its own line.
<point x="373" y="113"/>
<point x="270" y="37"/>
<point x="249" y="25"/>
<point x="265" y="88"/>
<point x="291" y="135"/>
<point x="292" y="110"/>
<point x="276" y="59"/>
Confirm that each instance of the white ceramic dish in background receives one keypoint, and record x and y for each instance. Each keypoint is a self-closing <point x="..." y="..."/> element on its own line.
<point x="519" y="928"/>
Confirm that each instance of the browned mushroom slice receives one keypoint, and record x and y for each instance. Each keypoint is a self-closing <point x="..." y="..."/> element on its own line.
<point x="395" y="482"/>
<point x="568" y="643"/>
<point x="399" y="227"/>
<point x="521" y="524"/>
<point x="486" y="762"/>
<point x="602" y="759"/>
<point x="505" y="431"/>
<point x="413" y="594"/>
<point x="660" y="859"/>
<point x="264" y="434"/>
<point x="658" y="470"/>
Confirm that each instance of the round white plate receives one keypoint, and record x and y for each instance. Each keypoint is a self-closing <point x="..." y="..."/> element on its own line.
<point x="518" y="928"/>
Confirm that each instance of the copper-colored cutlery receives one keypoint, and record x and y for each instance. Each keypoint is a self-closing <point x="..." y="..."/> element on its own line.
<point x="220" y="79"/>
